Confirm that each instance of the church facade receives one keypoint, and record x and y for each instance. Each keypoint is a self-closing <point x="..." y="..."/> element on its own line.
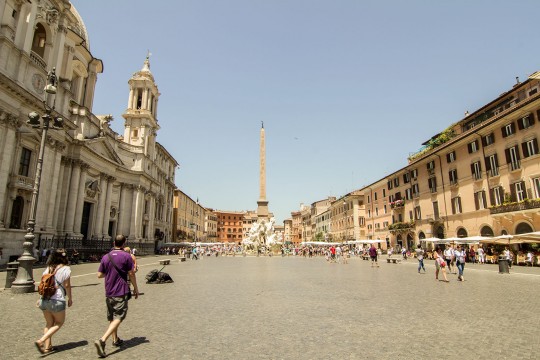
<point x="95" y="183"/>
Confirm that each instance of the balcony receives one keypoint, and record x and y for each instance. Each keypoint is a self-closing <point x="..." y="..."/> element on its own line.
<point x="398" y="204"/>
<point x="516" y="206"/>
<point x="477" y="176"/>
<point x="401" y="227"/>
<point x="22" y="182"/>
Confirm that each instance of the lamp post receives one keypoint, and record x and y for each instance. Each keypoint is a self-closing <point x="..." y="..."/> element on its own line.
<point x="24" y="282"/>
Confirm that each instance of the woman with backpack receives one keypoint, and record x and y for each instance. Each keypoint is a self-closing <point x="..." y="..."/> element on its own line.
<point x="53" y="290"/>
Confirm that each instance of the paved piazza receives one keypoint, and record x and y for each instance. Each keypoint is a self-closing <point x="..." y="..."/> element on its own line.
<point x="294" y="308"/>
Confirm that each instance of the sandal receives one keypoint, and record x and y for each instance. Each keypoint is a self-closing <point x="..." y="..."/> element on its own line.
<point x="39" y="347"/>
<point x="48" y="350"/>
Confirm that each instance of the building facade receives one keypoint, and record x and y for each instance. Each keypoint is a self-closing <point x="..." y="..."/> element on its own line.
<point x="190" y="218"/>
<point x="95" y="183"/>
<point x="230" y="226"/>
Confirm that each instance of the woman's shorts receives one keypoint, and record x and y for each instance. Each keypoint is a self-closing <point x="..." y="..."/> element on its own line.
<point x="52" y="305"/>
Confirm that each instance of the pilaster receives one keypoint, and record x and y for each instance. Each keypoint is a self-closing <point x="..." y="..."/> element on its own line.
<point x="108" y="200"/>
<point x="80" y="200"/>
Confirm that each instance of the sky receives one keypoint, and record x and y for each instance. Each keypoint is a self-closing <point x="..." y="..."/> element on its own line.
<point x="347" y="89"/>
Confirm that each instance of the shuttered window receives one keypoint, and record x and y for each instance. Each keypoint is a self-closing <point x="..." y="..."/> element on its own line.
<point x="530" y="148"/>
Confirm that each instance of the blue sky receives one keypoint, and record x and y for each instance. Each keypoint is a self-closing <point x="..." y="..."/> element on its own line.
<point x="346" y="89"/>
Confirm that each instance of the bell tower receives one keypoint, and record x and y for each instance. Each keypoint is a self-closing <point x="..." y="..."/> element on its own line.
<point x="141" y="124"/>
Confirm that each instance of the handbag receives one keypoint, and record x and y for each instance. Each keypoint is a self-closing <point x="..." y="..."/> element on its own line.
<point x="128" y="296"/>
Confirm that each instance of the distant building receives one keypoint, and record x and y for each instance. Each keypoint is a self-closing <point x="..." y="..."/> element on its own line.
<point x="190" y="218"/>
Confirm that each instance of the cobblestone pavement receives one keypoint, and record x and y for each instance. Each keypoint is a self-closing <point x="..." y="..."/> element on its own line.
<point x="294" y="308"/>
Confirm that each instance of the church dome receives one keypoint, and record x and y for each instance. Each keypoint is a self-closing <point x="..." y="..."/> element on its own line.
<point x="79" y="27"/>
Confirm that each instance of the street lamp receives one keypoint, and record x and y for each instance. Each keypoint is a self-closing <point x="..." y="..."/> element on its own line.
<point x="24" y="282"/>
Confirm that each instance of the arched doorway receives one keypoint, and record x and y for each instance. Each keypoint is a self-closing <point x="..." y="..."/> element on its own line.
<point x="38" y="43"/>
<point x="421" y="235"/>
<point x="462" y="233"/>
<point x="486" y="231"/>
<point x="523" y="228"/>
<point x="399" y="242"/>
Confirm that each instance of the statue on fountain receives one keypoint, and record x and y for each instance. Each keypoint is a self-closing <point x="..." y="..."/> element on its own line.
<point x="260" y="237"/>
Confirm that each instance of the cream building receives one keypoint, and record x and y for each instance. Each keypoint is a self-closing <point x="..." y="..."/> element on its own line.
<point x="287" y="231"/>
<point x="189" y="218"/>
<point x="95" y="184"/>
<point x="347" y="217"/>
<point x="480" y="176"/>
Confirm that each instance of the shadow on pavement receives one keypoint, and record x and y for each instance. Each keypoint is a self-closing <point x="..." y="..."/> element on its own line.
<point x="129" y="344"/>
<point x="67" y="346"/>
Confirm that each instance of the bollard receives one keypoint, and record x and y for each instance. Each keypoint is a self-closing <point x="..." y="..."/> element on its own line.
<point x="503" y="265"/>
<point x="11" y="273"/>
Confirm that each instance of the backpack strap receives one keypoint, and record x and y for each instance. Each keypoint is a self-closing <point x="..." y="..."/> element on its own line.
<point x="116" y="267"/>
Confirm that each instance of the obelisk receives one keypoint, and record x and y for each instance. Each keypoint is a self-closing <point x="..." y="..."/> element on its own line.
<point x="262" y="204"/>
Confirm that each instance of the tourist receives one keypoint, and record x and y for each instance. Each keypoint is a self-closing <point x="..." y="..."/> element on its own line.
<point x="472" y="255"/>
<point x="509" y="256"/>
<point x="116" y="267"/>
<point x="481" y="255"/>
<point x="420" y="258"/>
<point x="332" y="253"/>
<point x="440" y="264"/>
<point x="54" y="308"/>
<point x="373" y="255"/>
<point x="338" y="254"/>
<point x="448" y="257"/>
<point x="459" y="255"/>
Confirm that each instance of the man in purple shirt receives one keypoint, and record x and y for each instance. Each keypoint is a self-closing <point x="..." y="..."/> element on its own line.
<point x="116" y="267"/>
<point x="373" y="255"/>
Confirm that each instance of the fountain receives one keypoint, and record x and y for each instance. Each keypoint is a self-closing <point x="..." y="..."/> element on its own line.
<point x="261" y="237"/>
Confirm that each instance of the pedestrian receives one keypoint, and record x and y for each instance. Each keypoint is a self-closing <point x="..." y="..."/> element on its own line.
<point x="472" y="255"/>
<point x="338" y="254"/>
<point x="481" y="255"/>
<point x="449" y="256"/>
<point x="440" y="265"/>
<point x="75" y="257"/>
<point x="373" y="255"/>
<point x="116" y="267"/>
<point x="54" y="307"/>
<point x="44" y="254"/>
<point x="459" y="255"/>
<point x="420" y="257"/>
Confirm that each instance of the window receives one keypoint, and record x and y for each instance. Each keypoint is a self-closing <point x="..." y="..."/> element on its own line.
<point x="452" y="174"/>
<point x="390" y="186"/>
<point x="375" y="196"/>
<point x="414" y="174"/>
<point x="408" y="194"/>
<point x="451" y="157"/>
<point x="530" y="148"/>
<point x="396" y="182"/>
<point x="456" y="205"/>
<point x="518" y="191"/>
<point x="38" y="43"/>
<point x="376" y="211"/>
<point x="472" y="147"/>
<point x="526" y="122"/>
<point x="536" y="186"/>
<point x="435" y="210"/>
<point x="496" y="195"/>
<point x="416" y="190"/>
<point x="489" y="139"/>
<point x="411" y="216"/>
<point x="135" y="133"/>
<point x="417" y="213"/>
<point x="432" y="184"/>
<point x="369" y="213"/>
<point x="368" y="199"/>
<point x="492" y="165"/>
<point x="476" y="170"/>
<point x="406" y="178"/>
<point x="512" y="158"/>
<point x="508" y="130"/>
<point x="24" y="164"/>
<point x="385" y="211"/>
<point x="383" y="192"/>
<point x="480" y="200"/>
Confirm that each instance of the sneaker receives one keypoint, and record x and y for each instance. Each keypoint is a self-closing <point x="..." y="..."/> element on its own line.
<point x="118" y="342"/>
<point x="100" y="347"/>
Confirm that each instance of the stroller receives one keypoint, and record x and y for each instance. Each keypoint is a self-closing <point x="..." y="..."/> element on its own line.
<point x="158" y="277"/>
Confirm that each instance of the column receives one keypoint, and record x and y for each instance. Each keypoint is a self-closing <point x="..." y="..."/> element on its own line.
<point x="72" y="197"/>
<point x="133" y="212"/>
<point x="107" y="212"/>
<point x="62" y="196"/>
<point x="6" y="161"/>
<point x="98" y="229"/>
<point x="56" y="180"/>
<point x="144" y="100"/>
<point x="120" y="222"/>
<point x="151" y="217"/>
<point x="80" y="200"/>
<point x="130" y="100"/>
<point x="45" y="187"/>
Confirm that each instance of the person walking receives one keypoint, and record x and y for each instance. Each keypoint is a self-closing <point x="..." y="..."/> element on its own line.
<point x="459" y="255"/>
<point x="373" y="255"/>
<point x="481" y="255"/>
<point x="116" y="267"/>
<point x="440" y="265"/>
<point x="54" y="307"/>
<point x="420" y="257"/>
<point x="449" y="257"/>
